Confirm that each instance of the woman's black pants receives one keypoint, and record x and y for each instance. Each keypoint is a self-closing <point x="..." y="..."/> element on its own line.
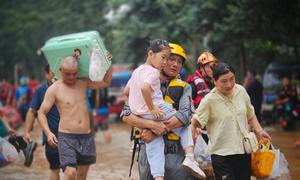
<point x="232" y="167"/>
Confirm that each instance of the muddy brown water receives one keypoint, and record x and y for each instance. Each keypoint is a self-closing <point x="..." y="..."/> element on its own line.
<point x="112" y="163"/>
<point x="113" y="158"/>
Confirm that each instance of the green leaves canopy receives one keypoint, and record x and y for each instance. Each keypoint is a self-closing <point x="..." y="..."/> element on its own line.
<point x="245" y="33"/>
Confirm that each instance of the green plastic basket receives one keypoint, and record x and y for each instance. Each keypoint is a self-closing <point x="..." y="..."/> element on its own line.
<point x="57" y="48"/>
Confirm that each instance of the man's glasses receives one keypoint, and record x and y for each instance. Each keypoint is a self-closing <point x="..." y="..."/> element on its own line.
<point x="176" y="59"/>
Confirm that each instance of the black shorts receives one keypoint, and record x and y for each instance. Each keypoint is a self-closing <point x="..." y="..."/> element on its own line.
<point x="52" y="156"/>
<point x="76" y="149"/>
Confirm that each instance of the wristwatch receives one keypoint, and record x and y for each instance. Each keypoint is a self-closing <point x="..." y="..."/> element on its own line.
<point x="125" y="111"/>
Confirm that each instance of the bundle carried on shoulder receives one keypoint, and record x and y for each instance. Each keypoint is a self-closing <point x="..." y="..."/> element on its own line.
<point x="89" y="49"/>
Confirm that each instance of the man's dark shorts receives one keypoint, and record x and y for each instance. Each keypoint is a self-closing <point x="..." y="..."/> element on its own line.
<point x="76" y="149"/>
<point x="52" y="156"/>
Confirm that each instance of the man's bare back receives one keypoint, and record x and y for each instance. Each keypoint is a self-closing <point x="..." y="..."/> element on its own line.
<point x="72" y="106"/>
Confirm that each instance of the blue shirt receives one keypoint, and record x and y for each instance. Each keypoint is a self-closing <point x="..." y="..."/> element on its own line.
<point x="22" y="90"/>
<point x="52" y="115"/>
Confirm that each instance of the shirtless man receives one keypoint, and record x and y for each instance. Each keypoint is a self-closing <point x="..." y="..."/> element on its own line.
<point x="75" y="140"/>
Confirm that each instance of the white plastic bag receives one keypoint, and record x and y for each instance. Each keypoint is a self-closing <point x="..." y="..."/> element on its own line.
<point x="8" y="152"/>
<point x="203" y="158"/>
<point x="276" y="165"/>
<point x="284" y="168"/>
<point x="97" y="65"/>
<point x="200" y="151"/>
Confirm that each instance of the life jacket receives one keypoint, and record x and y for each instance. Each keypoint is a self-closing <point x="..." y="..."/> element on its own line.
<point x="200" y="87"/>
<point x="173" y="94"/>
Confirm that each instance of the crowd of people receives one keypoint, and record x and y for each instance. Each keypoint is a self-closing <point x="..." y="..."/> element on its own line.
<point x="168" y="114"/>
<point x="18" y="96"/>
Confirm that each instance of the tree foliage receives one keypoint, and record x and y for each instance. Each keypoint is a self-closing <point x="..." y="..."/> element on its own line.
<point x="26" y="25"/>
<point x="245" y="33"/>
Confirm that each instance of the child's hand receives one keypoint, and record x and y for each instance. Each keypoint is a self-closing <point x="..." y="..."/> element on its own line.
<point x="147" y="135"/>
<point x="156" y="112"/>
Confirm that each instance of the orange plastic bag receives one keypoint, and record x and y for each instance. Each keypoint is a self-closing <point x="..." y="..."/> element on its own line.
<point x="262" y="160"/>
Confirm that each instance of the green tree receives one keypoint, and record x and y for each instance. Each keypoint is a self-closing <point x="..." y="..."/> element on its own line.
<point x="244" y="33"/>
<point x="252" y="33"/>
<point x="28" y="24"/>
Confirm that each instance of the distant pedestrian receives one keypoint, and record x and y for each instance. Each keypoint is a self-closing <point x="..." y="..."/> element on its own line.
<point x="286" y="105"/>
<point x="23" y="97"/>
<point x="52" y="119"/>
<point x="99" y="102"/>
<point x="254" y="89"/>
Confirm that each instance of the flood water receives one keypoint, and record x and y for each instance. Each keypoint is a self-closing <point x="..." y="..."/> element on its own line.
<point x="113" y="159"/>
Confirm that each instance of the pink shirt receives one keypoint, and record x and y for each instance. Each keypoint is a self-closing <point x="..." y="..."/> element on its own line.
<point x="143" y="74"/>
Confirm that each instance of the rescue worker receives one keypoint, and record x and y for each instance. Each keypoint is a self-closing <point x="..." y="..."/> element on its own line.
<point x="178" y="93"/>
<point x="202" y="81"/>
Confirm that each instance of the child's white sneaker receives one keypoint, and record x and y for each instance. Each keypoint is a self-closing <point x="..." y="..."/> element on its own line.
<point x="192" y="166"/>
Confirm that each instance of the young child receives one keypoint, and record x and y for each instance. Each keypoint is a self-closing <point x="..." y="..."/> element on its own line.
<point x="145" y="99"/>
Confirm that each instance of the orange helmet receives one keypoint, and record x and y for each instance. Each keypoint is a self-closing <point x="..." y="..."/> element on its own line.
<point x="205" y="58"/>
